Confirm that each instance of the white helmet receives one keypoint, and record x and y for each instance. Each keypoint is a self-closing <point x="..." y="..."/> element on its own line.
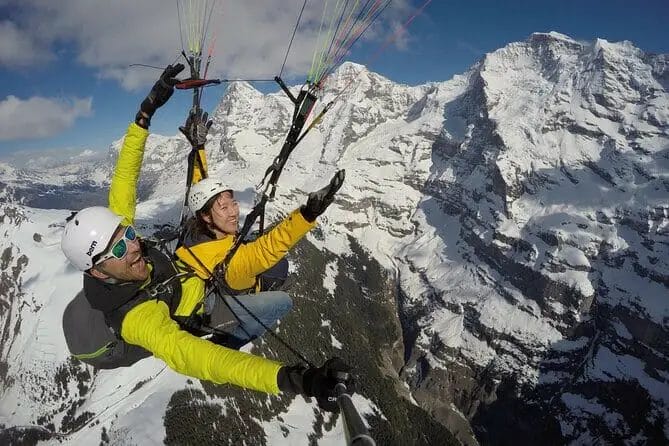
<point x="87" y="234"/>
<point x="203" y="191"/>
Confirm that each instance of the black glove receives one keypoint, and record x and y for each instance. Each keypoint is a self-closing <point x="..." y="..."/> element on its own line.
<point x="196" y="127"/>
<point x="162" y="90"/>
<point x="319" y="201"/>
<point x="318" y="382"/>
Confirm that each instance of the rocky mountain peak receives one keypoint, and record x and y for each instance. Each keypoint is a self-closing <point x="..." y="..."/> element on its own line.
<point x="237" y="95"/>
<point x="240" y="91"/>
<point x="346" y="72"/>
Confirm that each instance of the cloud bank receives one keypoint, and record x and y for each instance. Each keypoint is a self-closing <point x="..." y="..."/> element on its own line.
<point x="52" y="158"/>
<point x="39" y="117"/>
<point x="251" y="36"/>
<point x="20" y="49"/>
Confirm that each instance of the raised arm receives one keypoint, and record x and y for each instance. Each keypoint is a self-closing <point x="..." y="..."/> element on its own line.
<point x="123" y="189"/>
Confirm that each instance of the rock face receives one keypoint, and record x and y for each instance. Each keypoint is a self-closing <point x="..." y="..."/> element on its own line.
<point x="12" y="265"/>
<point x="549" y="298"/>
<point x="498" y="256"/>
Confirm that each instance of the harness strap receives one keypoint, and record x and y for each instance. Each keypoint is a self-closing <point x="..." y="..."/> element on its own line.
<point x="217" y="281"/>
<point x="159" y="288"/>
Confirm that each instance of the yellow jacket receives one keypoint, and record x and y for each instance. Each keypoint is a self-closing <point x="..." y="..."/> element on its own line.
<point x="251" y="259"/>
<point x="149" y="324"/>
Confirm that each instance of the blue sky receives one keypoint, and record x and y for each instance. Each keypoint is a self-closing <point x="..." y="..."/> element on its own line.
<point x="66" y="86"/>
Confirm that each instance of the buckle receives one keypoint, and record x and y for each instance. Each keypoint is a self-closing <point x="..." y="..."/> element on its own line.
<point x="156" y="290"/>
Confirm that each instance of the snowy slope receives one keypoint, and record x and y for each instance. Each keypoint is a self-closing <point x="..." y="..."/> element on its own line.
<point x="542" y="254"/>
<point x="520" y="212"/>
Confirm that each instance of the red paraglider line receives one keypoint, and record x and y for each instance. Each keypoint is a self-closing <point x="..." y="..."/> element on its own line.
<point x="189" y="84"/>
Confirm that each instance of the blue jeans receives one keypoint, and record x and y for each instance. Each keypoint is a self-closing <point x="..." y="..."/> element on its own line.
<point x="268" y="307"/>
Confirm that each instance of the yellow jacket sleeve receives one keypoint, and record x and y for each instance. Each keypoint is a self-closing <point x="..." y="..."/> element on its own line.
<point x="123" y="190"/>
<point x="149" y="325"/>
<point x="192" y="294"/>
<point x="203" y="257"/>
<point x="264" y="252"/>
<point x="252" y="258"/>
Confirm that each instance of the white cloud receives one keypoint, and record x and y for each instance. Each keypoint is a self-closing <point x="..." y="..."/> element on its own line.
<point x="19" y="49"/>
<point x="39" y="117"/>
<point x="251" y="35"/>
<point x="51" y="158"/>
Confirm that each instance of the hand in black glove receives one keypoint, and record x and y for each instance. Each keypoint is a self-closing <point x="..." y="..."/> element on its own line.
<point x="318" y="382"/>
<point x="162" y="90"/>
<point x="319" y="201"/>
<point x="196" y="127"/>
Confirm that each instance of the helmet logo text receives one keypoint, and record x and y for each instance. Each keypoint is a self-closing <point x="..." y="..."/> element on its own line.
<point x="90" y="250"/>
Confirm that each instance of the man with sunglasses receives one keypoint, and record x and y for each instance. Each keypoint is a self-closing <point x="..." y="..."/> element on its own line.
<point x="142" y="292"/>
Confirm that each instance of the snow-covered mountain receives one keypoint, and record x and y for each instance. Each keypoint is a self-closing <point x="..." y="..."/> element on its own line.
<point x="546" y="223"/>
<point x="496" y="262"/>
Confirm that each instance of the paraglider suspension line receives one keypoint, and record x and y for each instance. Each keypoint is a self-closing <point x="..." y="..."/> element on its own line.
<point x="292" y="37"/>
